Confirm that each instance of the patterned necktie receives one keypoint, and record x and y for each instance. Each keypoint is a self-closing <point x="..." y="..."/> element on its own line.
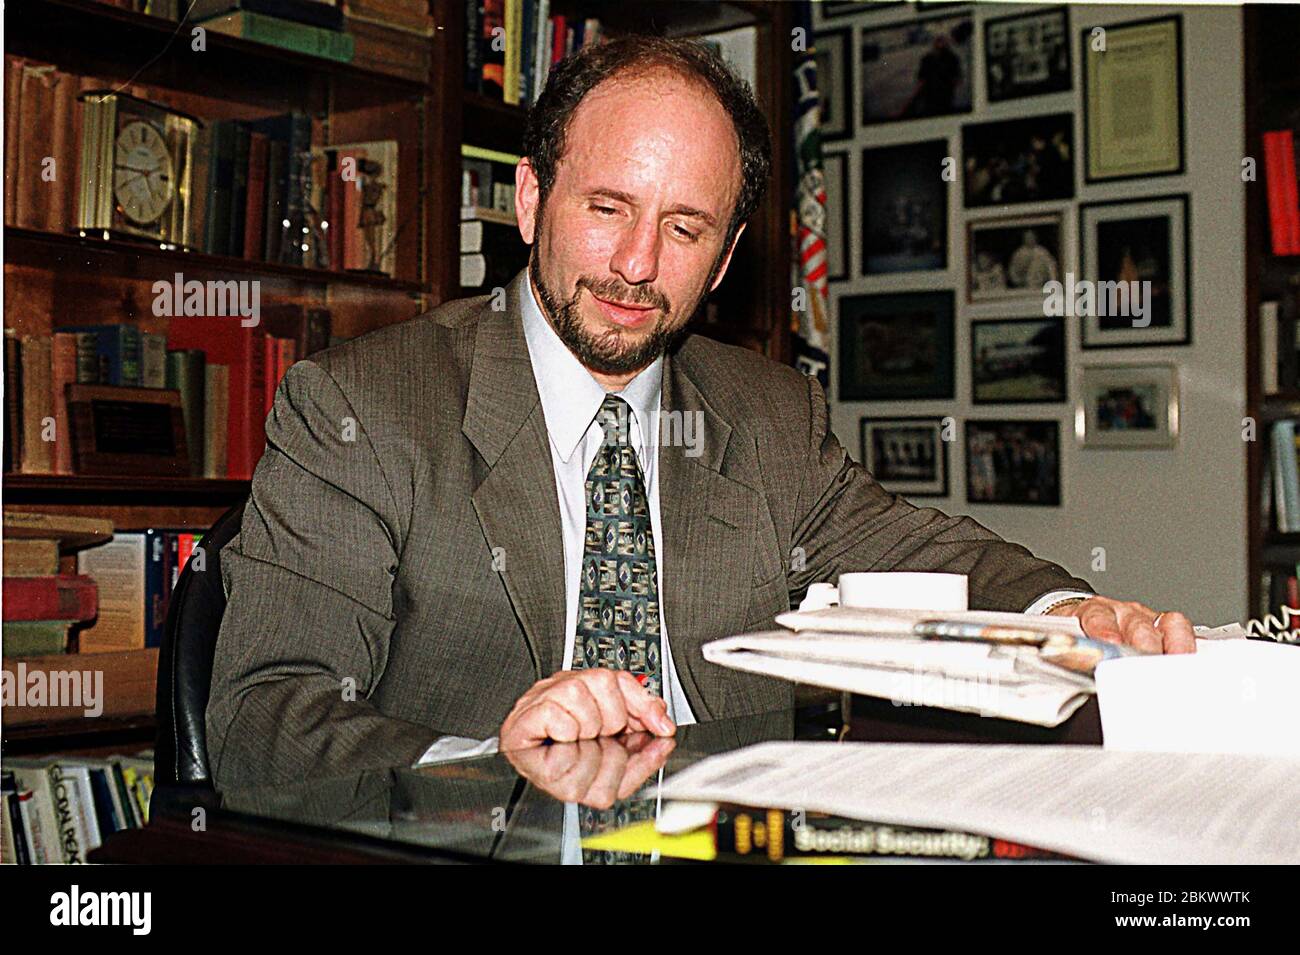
<point x="618" y="613"/>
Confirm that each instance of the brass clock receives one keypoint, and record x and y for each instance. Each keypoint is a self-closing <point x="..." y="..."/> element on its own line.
<point x="135" y="169"/>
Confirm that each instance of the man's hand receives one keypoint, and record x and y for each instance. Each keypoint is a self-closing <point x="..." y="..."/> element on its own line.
<point x="583" y="704"/>
<point x="593" y="772"/>
<point x="1132" y="623"/>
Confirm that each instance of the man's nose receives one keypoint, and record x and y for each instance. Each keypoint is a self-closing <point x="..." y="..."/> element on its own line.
<point x="636" y="259"/>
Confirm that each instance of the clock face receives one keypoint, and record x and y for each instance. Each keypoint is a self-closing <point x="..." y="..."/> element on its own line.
<point x="143" y="176"/>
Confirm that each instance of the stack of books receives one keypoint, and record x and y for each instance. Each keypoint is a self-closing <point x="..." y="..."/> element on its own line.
<point x="226" y="374"/>
<point x="41" y="605"/>
<point x="56" y="810"/>
<point x="512" y="66"/>
<point x="491" y="250"/>
<point x="136" y="573"/>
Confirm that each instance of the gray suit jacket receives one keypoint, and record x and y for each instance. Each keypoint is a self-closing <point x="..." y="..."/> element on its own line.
<point x="399" y="571"/>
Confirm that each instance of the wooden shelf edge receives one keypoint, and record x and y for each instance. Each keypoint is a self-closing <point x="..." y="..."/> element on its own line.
<point x="118" y="18"/>
<point x="126" y="484"/>
<point x="203" y="261"/>
<point x="129" y="683"/>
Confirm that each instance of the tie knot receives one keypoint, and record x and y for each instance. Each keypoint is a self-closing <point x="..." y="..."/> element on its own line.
<point x="613" y="418"/>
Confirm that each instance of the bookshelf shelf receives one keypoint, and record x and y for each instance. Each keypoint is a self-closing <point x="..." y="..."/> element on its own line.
<point x="130" y="680"/>
<point x="118" y="256"/>
<point x="18" y="486"/>
<point x="89" y="33"/>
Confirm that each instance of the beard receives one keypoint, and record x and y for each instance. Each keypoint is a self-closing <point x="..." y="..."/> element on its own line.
<point x="610" y="351"/>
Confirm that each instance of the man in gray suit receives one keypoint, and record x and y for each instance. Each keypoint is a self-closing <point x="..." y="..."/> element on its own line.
<point x="520" y="516"/>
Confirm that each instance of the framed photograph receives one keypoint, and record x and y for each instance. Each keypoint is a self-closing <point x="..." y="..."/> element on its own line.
<point x="1127" y="406"/>
<point x="904" y="208"/>
<point x="127" y="430"/>
<point x="896" y="347"/>
<point x="1018" y="160"/>
<point x="835" y="174"/>
<point x="1013" y="462"/>
<point x="1017" y="360"/>
<point x="1012" y="257"/>
<point x="906" y="455"/>
<point x="1027" y="54"/>
<point x="1133" y="100"/>
<point x="834" y="83"/>
<point x="1134" y="286"/>
<point x="843" y="8"/>
<point x="917" y="68"/>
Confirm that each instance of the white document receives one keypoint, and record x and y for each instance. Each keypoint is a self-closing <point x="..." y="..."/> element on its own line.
<point x="1231" y="696"/>
<point x="1087" y="802"/>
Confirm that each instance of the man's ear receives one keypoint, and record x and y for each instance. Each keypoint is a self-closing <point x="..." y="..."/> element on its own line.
<point x="727" y="259"/>
<point x="526" y="198"/>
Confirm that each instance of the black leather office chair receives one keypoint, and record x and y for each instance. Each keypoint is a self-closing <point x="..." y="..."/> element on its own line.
<point x="189" y="643"/>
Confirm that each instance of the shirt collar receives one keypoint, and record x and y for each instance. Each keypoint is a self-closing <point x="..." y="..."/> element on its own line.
<point x="570" y="396"/>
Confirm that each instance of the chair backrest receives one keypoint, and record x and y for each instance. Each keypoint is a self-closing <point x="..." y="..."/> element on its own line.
<point x="189" y="642"/>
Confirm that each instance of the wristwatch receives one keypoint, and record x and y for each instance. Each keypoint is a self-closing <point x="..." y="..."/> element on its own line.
<point x="1068" y="601"/>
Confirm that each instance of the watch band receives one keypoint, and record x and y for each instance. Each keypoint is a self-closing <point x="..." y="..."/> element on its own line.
<point x="1068" y="601"/>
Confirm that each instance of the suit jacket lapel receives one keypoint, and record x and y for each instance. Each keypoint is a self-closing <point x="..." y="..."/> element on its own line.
<point x="516" y="503"/>
<point x="709" y="518"/>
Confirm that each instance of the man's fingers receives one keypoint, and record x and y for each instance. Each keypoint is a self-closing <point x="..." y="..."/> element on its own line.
<point x="645" y="706"/>
<point x="1099" y="621"/>
<point x="603" y="686"/>
<point x="577" y="696"/>
<point x="1177" y="633"/>
<point x="545" y="719"/>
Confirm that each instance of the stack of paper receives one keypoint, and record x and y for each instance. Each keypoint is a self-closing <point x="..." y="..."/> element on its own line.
<point x="1083" y="801"/>
<point x="877" y="653"/>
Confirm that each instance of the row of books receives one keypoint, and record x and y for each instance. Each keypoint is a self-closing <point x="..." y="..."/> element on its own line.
<point x="1283" y="191"/>
<point x="510" y="46"/>
<point x="56" y="810"/>
<point x="1281" y="589"/>
<point x="1283" y="477"/>
<point x="491" y="250"/>
<point x="259" y="189"/>
<point x="117" y="599"/>
<point x="226" y="375"/>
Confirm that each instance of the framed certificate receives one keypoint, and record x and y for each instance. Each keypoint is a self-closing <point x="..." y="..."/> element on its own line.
<point x="1133" y="99"/>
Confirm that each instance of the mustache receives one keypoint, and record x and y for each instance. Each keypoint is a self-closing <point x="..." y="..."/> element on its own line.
<point x="613" y="290"/>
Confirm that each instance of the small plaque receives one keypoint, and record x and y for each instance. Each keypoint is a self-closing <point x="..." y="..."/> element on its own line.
<point x="127" y="431"/>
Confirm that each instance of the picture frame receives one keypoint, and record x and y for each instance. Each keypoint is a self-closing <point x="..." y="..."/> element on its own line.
<point x="907" y="455"/>
<point x="836" y="181"/>
<point x="1127" y="241"/>
<point x="832" y="52"/>
<point x="833" y="9"/>
<point x="120" y="430"/>
<point x="1012" y="258"/>
<point x="904" y="208"/>
<point x="1128" y="406"/>
<point x="1151" y="143"/>
<point x="1018" y="160"/>
<point x="1018" y="361"/>
<point x="916" y="68"/>
<point x="896" y="347"/>
<point x="1013" y="462"/>
<point x="1027" y="54"/>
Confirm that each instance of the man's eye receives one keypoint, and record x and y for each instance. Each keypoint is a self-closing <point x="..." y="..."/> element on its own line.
<point x="604" y="210"/>
<point x="684" y="233"/>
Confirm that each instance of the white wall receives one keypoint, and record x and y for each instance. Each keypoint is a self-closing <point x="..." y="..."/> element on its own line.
<point x="1172" y="522"/>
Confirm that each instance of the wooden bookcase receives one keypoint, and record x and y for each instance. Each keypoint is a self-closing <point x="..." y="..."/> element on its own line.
<point x="54" y="279"/>
<point x="1272" y="80"/>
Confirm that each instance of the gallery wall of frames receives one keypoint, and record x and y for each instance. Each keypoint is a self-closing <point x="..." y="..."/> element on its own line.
<point x="998" y="177"/>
